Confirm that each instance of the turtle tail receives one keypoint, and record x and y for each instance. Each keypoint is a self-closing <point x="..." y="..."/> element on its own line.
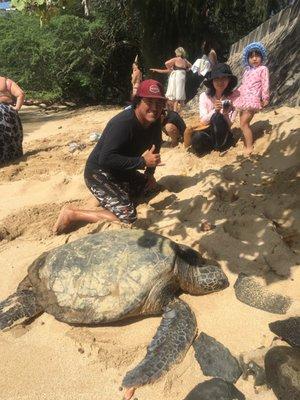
<point x="18" y="308"/>
<point x="172" y="340"/>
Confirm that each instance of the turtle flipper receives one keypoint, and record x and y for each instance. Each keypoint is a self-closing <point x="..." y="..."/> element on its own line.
<point x="17" y="308"/>
<point x="251" y="292"/>
<point x="172" y="340"/>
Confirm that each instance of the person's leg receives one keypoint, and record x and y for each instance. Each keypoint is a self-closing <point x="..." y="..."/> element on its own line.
<point x="173" y="132"/>
<point x="170" y="105"/>
<point x="245" y="119"/>
<point x="69" y="214"/>
<point x="176" y="106"/>
<point x="113" y="199"/>
<point x="201" y="142"/>
<point x="93" y="203"/>
<point x="220" y="130"/>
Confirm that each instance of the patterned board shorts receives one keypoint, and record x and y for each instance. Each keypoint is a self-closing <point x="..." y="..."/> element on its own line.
<point x="11" y="134"/>
<point x="114" y="195"/>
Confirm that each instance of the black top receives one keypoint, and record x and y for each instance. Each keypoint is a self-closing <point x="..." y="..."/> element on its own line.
<point x="172" y="117"/>
<point x="122" y="143"/>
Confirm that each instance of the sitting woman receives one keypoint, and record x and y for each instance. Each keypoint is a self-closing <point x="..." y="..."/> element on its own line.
<point x="216" y="112"/>
<point x="11" y="131"/>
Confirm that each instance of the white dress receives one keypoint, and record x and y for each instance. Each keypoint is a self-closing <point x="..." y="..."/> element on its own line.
<point x="176" y="85"/>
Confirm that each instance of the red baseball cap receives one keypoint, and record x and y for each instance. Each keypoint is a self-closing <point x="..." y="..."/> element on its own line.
<point x="152" y="89"/>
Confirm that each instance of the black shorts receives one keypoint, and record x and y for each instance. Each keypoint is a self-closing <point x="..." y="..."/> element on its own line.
<point x="114" y="195"/>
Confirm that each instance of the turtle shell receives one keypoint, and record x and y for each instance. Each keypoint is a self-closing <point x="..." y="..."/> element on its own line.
<point x="102" y="277"/>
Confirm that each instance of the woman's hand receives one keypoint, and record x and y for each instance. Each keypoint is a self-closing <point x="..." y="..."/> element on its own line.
<point x="264" y="103"/>
<point x="218" y="105"/>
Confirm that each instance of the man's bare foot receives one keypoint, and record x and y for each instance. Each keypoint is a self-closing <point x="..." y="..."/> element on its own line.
<point x="64" y="219"/>
<point x="129" y="392"/>
<point x="248" y="150"/>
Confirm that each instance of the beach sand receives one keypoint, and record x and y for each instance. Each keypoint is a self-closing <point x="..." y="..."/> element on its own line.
<point x="253" y="205"/>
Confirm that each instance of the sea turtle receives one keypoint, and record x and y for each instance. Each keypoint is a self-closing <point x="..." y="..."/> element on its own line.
<point x="113" y="275"/>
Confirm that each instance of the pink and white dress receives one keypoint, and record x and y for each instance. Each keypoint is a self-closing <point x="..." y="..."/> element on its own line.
<point x="254" y="88"/>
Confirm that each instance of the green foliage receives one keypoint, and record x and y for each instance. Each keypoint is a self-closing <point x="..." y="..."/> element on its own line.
<point x="89" y="59"/>
<point x="44" y="9"/>
<point x="70" y="58"/>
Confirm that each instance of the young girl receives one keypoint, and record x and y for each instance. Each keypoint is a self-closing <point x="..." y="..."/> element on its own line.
<point x="254" y="90"/>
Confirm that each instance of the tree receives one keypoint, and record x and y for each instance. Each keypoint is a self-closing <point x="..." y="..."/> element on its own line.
<point x="44" y="9"/>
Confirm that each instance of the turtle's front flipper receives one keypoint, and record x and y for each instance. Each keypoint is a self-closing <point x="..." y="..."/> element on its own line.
<point x="19" y="307"/>
<point x="172" y="340"/>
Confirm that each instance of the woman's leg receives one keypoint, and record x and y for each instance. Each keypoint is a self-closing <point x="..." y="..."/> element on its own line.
<point x="201" y="142"/>
<point x="220" y="131"/>
<point x="245" y="119"/>
<point x="176" y="106"/>
<point x="170" y="105"/>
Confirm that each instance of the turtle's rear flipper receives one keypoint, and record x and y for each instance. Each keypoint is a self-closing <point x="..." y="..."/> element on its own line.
<point x="171" y="342"/>
<point x="18" y="308"/>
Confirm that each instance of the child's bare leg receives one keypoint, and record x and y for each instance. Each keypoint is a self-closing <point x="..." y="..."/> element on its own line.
<point x="68" y="215"/>
<point x="245" y="119"/>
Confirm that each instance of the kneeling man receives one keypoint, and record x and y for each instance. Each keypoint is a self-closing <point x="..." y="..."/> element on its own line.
<point x="130" y="142"/>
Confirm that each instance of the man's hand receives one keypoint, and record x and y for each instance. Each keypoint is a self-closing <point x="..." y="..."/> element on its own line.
<point x="151" y="159"/>
<point x="264" y="103"/>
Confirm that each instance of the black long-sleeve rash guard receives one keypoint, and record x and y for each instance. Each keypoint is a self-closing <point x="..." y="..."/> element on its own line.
<point x="120" y="148"/>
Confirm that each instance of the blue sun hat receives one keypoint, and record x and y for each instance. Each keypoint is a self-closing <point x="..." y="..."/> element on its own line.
<point x="254" y="46"/>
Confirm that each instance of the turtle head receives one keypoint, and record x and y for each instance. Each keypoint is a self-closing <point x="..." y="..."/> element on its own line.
<point x="194" y="276"/>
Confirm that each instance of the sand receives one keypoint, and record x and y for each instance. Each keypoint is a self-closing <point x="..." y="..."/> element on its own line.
<point x="253" y="205"/>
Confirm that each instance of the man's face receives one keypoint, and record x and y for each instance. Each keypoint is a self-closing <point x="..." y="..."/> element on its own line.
<point x="149" y="110"/>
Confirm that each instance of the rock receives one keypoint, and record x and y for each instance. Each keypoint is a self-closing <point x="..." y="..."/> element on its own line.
<point x="95" y="136"/>
<point x="282" y="366"/>
<point x="288" y="330"/>
<point x="75" y="146"/>
<point x="70" y="104"/>
<point x="206" y="226"/>
<point x="252" y="363"/>
<point x="215" y="389"/>
<point x="215" y="359"/>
